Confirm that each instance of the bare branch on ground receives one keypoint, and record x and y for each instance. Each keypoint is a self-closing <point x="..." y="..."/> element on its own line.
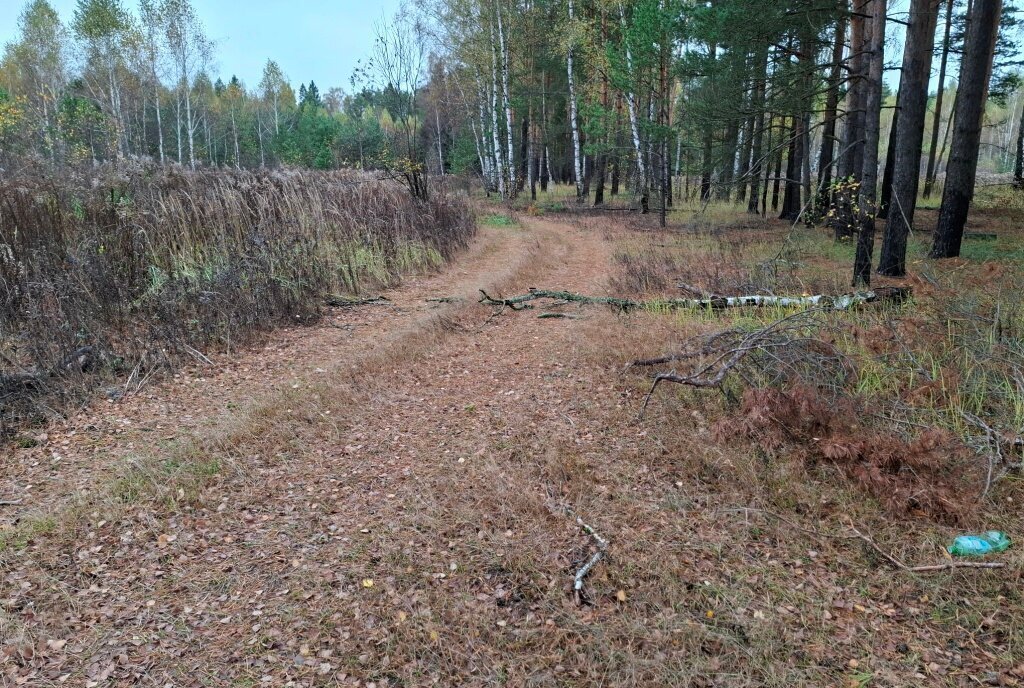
<point x="857" y="535"/>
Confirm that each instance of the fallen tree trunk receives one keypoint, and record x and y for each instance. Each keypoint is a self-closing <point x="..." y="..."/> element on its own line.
<point x="843" y="302"/>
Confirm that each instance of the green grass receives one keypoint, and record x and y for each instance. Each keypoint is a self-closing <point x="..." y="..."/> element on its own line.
<point x="499" y="220"/>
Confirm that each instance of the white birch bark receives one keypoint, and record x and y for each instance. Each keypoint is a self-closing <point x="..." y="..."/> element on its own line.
<point x="631" y="104"/>
<point x="574" y="119"/>
<point x="508" y="104"/>
<point x="496" y="139"/>
<point x="440" y="151"/>
<point x="159" y="123"/>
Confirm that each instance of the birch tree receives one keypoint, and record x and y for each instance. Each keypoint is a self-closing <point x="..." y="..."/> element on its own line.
<point x="190" y="52"/>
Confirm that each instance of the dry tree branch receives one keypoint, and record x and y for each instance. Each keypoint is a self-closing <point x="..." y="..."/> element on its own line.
<point x="725" y="351"/>
<point x="857" y="535"/>
<point x="351" y="302"/>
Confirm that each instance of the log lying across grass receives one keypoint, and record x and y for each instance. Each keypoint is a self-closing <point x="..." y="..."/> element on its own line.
<point x="843" y="302"/>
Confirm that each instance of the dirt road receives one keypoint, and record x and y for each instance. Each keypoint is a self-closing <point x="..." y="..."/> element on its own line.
<point x="380" y="500"/>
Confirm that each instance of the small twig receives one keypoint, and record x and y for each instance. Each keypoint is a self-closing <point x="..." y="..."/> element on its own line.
<point x="602" y="547"/>
<point x="15" y="502"/>
<point x="198" y="355"/>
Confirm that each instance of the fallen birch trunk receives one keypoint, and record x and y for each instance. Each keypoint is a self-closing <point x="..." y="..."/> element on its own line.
<point x="822" y="301"/>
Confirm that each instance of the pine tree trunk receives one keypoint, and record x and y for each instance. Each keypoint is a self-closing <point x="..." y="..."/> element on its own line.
<point x="850" y="164"/>
<point x="890" y="156"/>
<point x="875" y="31"/>
<point x="746" y="150"/>
<point x="777" y="175"/>
<point x="732" y="133"/>
<point x="616" y="158"/>
<point x="961" y="172"/>
<point x="531" y="153"/>
<point x="929" y="178"/>
<point x="760" y="91"/>
<point x="707" y="164"/>
<point x="913" y="109"/>
<point x="545" y="157"/>
<point x="828" y="135"/>
<point x="791" y="196"/>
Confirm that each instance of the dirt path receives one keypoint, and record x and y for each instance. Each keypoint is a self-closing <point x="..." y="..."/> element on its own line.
<point x="436" y="388"/>
<point x="71" y="457"/>
<point x="380" y="501"/>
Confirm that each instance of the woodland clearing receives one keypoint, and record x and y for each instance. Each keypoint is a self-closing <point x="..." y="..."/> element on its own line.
<point x="382" y="499"/>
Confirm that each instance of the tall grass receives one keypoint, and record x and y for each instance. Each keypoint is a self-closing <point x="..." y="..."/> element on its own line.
<point x="117" y="272"/>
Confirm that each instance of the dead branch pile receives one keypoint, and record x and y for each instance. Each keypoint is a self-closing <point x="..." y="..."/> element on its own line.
<point x="784" y="352"/>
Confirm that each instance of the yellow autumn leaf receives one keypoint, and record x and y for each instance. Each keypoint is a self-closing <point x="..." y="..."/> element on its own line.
<point x="367" y="582"/>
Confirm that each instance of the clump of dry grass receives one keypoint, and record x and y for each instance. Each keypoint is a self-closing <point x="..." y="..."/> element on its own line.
<point x="945" y="366"/>
<point x="137" y="269"/>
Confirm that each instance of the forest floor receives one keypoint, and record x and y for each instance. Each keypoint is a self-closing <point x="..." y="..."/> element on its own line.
<point x="383" y="499"/>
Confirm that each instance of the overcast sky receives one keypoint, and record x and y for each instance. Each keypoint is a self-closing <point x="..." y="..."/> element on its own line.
<point x="311" y="39"/>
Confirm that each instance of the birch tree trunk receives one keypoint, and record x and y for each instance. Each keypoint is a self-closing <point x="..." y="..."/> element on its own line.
<point x="190" y="127"/>
<point x="440" y="151"/>
<point x="159" y="123"/>
<point x="177" y="119"/>
<point x="573" y="118"/>
<point x="510" y="162"/>
<point x="634" y="124"/>
<point x="496" y="139"/>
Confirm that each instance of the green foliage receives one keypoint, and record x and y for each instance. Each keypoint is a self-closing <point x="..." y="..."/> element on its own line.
<point x="499" y="220"/>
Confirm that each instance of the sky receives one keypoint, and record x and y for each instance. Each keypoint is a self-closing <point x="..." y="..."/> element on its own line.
<point x="319" y="40"/>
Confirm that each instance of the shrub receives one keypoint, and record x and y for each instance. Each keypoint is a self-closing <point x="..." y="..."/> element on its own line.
<point x="135" y="268"/>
